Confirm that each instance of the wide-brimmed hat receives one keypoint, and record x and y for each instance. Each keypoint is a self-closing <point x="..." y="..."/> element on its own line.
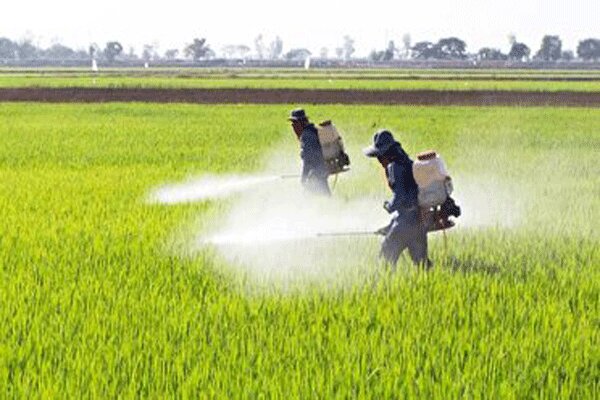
<point x="297" y="115"/>
<point x="382" y="142"/>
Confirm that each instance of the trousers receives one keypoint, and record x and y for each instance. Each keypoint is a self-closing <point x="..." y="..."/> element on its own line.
<point x="401" y="237"/>
<point x="317" y="185"/>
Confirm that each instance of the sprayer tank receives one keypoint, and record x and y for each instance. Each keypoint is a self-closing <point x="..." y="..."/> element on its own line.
<point x="332" y="147"/>
<point x="428" y="169"/>
<point x="432" y="178"/>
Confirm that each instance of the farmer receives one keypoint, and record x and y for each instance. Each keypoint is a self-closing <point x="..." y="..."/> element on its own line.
<point x="314" y="169"/>
<point x="405" y="229"/>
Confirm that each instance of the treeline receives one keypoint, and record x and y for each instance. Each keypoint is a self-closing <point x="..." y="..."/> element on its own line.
<point x="452" y="48"/>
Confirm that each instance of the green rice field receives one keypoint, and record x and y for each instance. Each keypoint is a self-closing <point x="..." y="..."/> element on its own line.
<point x="589" y="81"/>
<point x="100" y="297"/>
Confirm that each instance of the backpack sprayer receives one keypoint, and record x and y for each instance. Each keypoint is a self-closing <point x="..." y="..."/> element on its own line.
<point x="332" y="147"/>
<point x="435" y="204"/>
<point x="435" y="187"/>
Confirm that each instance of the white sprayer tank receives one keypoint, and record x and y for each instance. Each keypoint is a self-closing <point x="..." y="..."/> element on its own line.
<point x="332" y="147"/>
<point x="435" y="184"/>
<point x="330" y="139"/>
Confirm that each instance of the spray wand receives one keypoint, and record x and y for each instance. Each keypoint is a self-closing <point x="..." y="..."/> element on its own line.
<point x="289" y="176"/>
<point x="351" y="233"/>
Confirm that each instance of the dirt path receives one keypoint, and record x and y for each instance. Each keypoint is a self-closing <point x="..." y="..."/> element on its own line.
<point x="302" y="96"/>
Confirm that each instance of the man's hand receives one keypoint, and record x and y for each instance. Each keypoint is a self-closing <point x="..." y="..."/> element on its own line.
<point x="383" y="231"/>
<point x="386" y="207"/>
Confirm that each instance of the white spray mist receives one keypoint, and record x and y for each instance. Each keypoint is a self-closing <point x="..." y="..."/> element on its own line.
<point x="207" y="188"/>
<point x="270" y="232"/>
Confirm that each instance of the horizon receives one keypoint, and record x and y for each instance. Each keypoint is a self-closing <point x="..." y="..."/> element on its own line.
<point x="76" y="27"/>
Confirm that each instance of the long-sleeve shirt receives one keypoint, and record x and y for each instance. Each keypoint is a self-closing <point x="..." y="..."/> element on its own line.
<point x="313" y="163"/>
<point x="405" y="191"/>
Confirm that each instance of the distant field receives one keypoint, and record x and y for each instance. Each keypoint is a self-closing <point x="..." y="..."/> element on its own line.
<point x="300" y="83"/>
<point x="99" y="300"/>
<point x="314" y="72"/>
<point x="550" y="81"/>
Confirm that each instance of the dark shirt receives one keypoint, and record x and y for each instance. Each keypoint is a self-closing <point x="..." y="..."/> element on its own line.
<point x="313" y="163"/>
<point x="405" y="191"/>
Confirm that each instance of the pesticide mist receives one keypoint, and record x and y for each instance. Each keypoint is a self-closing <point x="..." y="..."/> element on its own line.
<point x="275" y="234"/>
<point x="206" y="188"/>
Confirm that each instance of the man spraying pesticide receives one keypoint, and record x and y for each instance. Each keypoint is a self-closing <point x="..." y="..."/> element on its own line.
<point x="405" y="230"/>
<point x="420" y="202"/>
<point x="321" y="150"/>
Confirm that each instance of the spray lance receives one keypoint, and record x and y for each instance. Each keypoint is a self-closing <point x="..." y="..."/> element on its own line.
<point x="296" y="176"/>
<point x="289" y="176"/>
<point x="382" y="231"/>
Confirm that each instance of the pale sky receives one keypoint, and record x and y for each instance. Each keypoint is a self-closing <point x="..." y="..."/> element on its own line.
<point x="310" y="23"/>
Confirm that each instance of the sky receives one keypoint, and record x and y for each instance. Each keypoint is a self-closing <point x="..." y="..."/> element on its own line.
<point x="310" y="23"/>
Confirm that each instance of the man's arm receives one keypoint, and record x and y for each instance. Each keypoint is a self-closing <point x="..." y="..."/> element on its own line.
<point x="311" y="154"/>
<point x="396" y="179"/>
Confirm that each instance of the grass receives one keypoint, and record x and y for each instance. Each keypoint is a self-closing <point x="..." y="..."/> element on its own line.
<point x="301" y="72"/>
<point x="337" y="79"/>
<point x="95" y="302"/>
<point x="296" y="83"/>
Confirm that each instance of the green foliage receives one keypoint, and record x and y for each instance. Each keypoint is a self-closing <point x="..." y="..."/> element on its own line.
<point x="197" y="50"/>
<point x="589" y="49"/>
<point x="551" y="48"/>
<point x="112" y="50"/>
<point x="97" y="302"/>
<point x="519" y="52"/>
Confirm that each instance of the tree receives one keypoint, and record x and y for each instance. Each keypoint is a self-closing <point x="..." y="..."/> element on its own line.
<point x="550" y="49"/>
<point x="519" y="52"/>
<point x="171" y="54"/>
<point x="324" y="53"/>
<point x="406" y="42"/>
<point x="451" y="48"/>
<point x="339" y="52"/>
<point x="228" y="51"/>
<point x="424" y="50"/>
<point x="242" y="50"/>
<point x="210" y="54"/>
<point x="112" y="50"/>
<point x="567" y="55"/>
<point x="259" y="46"/>
<point x="131" y="55"/>
<point x="589" y="49"/>
<point x="198" y="49"/>
<point x="93" y="50"/>
<point x="384" y="55"/>
<point x="348" y="47"/>
<point x="375" y="55"/>
<point x="276" y="48"/>
<point x="390" y="52"/>
<point x="149" y="52"/>
<point x="297" y="54"/>
<point x="59" y="52"/>
<point x="26" y="50"/>
<point x="8" y="49"/>
<point x="490" y="54"/>
<point x="235" y="51"/>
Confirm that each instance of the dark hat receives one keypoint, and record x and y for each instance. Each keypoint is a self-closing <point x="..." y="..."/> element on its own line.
<point x="382" y="142"/>
<point x="297" y="115"/>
